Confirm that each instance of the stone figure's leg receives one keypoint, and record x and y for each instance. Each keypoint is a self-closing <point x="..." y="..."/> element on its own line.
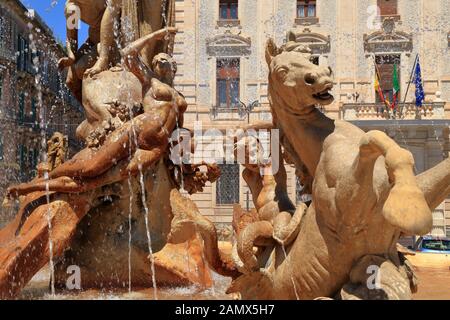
<point x="74" y="83"/>
<point x="187" y="221"/>
<point x="405" y="206"/>
<point x="253" y="233"/>
<point x="376" y="278"/>
<point x="435" y="183"/>
<point x="24" y="255"/>
<point x="62" y="184"/>
<point x="111" y="13"/>
<point x="286" y="226"/>
<point x="70" y="185"/>
<point x="88" y="55"/>
<point x="106" y="157"/>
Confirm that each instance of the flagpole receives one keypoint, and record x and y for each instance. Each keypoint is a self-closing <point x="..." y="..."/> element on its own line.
<point x="409" y="84"/>
<point x="377" y="74"/>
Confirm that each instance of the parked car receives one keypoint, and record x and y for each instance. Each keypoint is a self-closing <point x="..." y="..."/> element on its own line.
<point x="429" y="244"/>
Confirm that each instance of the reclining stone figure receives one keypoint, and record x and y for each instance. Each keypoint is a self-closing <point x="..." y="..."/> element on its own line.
<point x="144" y="139"/>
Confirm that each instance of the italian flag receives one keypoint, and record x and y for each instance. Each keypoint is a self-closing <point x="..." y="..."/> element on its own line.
<point x="396" y="87"/>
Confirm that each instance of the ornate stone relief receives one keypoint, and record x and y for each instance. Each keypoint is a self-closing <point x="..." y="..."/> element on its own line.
<point x="318" y="43"/>
<point x="388" y="39"/>
<point x="228" y="44"/>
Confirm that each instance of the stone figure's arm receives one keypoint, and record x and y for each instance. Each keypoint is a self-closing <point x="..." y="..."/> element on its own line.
<point x="131" y="57"/>
<point x="72" y="35"/>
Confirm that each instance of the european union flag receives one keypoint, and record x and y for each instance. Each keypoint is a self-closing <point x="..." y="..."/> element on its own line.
<point x="420" y="94"/>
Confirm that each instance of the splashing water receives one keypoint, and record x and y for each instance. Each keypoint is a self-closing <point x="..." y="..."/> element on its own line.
<point x="44" y="127"/>
<point x="130" y="212"/>
<point x="147" y="228"/>
<point x="128" y="35"/>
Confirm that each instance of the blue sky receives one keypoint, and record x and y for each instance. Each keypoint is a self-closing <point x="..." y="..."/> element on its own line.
<point x="52" y="12"/>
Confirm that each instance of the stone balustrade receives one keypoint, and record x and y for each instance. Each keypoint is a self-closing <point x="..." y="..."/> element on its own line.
<point x="378" y="111"/>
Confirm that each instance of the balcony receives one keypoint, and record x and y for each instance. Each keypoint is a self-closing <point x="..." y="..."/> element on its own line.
<point x="28" y="124"/>
<point x="227" y="113"/>
<point x="377" y="111"/>
<point x="239" y="111"/>
<point x="228" y="23"/>
<point x="306" y="21"/>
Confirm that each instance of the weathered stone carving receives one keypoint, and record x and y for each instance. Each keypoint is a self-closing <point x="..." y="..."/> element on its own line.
<point x="57" y="147"/>
<point x="79" y="59"/>
<point x="364" y="192"/>
<point x="228" y="44"/>
<point x="363" y="183"/>
<point x="318" y="43"/>
<point x="388" y="39"/>
<point x="121" y="178"/>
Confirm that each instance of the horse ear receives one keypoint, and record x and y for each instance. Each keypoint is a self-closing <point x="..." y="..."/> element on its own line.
<point x="291" y="36"/>
<point x="271" y="50"/>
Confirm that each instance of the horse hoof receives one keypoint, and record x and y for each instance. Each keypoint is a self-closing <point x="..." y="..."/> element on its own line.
<point x="407" y="209"/>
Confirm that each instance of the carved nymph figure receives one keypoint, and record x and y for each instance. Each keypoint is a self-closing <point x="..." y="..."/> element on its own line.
<point x="144" y="139"/>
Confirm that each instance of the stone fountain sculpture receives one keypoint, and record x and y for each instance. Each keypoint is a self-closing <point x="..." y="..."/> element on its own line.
<point x="109" y="207"/>
<point x="365" y="196"/>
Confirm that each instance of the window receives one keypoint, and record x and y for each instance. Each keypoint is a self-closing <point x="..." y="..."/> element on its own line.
<point x="32" y="159"/>
<point x="227" y="187"/>
<point x="228" y="9"/>
<point x="1" y="148"/>
<point x="3" y="32"/>
<point x="315" y="60"/>
<point x="385" y="65"/>
<point x="228" y="82"/>
<point x="22" y="157"/>
<point x="22" y="57"/>
<point x="21" y="114"/>
<point x="387" y="7"/>
<point x="33" y="109"/>
<point x="28" y="159"/>
<point x="306" y="9"/>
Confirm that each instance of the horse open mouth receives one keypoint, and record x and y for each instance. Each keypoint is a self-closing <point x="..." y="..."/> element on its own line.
<point x="324" y="95"/>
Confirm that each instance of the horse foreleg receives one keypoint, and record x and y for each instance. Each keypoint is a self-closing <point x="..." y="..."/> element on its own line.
<point x="405" y="206"/>
<point x="435" y="183"/>
<point x="25" y="254"/>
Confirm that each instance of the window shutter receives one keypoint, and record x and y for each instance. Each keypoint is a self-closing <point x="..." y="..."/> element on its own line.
<point x="387" y="7"/>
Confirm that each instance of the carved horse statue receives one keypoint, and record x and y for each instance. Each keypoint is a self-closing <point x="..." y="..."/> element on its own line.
<point x="365" y="196"/>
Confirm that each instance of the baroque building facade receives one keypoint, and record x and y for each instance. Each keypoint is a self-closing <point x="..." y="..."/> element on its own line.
<point x="34" y="101"/>
<point x="221" y="69"/>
